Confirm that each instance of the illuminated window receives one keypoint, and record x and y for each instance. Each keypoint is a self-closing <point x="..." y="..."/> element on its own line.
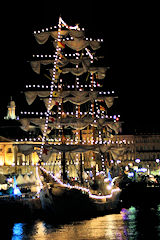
<point x="19" y="160"/>
<point x="9" y="150"/>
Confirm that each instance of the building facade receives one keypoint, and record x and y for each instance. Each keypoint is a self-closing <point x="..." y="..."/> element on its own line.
<point x="141" y="150"/>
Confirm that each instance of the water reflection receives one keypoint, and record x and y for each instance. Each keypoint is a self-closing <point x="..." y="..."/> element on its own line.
<point x="129" y="224"/>
<point x="106" y="227"/>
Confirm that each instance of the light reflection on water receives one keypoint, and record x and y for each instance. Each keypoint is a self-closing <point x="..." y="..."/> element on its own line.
<point x="17" y="231"/>
<point x="129" y="224"/>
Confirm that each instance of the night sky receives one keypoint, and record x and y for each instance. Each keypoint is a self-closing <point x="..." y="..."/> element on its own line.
<point x="131" y="50"/>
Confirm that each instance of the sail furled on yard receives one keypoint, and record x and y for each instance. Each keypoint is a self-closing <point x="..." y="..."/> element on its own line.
<point x="26" y="149"/>
<point x="76" y="98"/>
<point x="36" y="65"/>
<point x="78" y="43"/>
<point x="101" y="71"/>
<point x="43" y="37"/>
<point x="73" y="122"/>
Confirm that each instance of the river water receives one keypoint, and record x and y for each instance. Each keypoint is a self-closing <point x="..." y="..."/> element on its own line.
<point x="129" y="224"/>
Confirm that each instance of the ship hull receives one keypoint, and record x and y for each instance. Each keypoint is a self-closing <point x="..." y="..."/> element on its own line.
<point x="73" y="203"/>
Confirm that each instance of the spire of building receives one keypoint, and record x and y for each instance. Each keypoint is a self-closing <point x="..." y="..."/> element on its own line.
<point x="11" y="113"/>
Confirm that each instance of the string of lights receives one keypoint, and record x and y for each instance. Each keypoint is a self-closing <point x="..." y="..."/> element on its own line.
<point x="83" y="189"/>
<point x="72" y="141"/>
<point x="53" y="55"/>
<point x="71" y="86"/>
<point x="57" y="52"/>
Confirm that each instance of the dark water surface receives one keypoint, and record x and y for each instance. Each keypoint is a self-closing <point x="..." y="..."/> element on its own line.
<point x="131" y="223"/>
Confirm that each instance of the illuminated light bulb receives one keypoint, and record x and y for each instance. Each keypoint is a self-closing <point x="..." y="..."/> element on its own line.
<point x="118" y="161"/>
<point x="137" y="160"/>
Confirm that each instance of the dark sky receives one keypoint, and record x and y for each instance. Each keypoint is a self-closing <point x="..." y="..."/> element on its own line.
<point x="131" y="49"/>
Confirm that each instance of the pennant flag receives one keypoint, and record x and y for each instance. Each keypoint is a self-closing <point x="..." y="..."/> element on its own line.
<point x="51" y="119"/>
<point x="61" y="45"/>
<point x="59" y="70"/>
<point x="102" y="108"/>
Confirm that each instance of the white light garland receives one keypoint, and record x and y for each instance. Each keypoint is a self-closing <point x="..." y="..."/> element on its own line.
<point x="57" y="52"/>
<point x="81" y="188"/>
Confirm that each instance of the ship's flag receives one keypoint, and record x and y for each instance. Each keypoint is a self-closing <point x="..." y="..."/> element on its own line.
<point x="51" y="119"/>
<point x="46" y="155"/>
<point x="45" y="151"/>
<point x="61" y="45"/>
<point x="102" y="108"/>
<point x="58" y="69"/>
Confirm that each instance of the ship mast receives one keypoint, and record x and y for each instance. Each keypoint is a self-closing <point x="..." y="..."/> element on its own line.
<point x="80" y="160"/>
<point x="67" y="92"/>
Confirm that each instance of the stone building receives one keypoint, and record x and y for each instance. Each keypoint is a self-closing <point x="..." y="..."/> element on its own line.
<point x="147" y="148"/>
<point x="12" y="160"/>
<point x="141" y="150"/>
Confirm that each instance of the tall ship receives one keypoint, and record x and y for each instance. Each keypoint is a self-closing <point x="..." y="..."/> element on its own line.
<point x="72" y="127"/>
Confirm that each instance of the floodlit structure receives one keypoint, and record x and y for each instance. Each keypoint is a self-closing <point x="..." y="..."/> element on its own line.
<point x="72" y="112"/>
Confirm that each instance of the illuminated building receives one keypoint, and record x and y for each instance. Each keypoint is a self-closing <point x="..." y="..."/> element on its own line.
<point x="144" y="147"/>
<point x="76" y="130"/>
<point x="12" y="160"/>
